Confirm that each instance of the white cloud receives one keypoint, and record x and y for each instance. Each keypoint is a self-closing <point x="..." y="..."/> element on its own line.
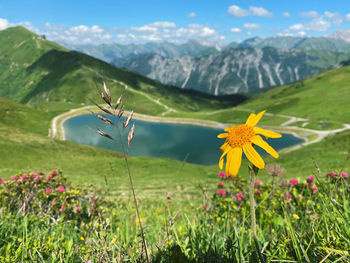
<point x="146" y="28"/>
<point x="4" y="23"/>
<point x="259" y="11"/>
<point x="296" y="27"/>
<point x="302" y="33"/>
<point x="163" y="24"/>
<point x="157" y="31"/>
<point x="251" y="26"/>
<point x="310" y="14"/>
<point x="236" y="11"/>
<point x="236" y="30"/>
<point x="286" y="14"/>
<point x="192" y="15"/>
<point x="336" y="18"/>
<point x="318" y="25"/>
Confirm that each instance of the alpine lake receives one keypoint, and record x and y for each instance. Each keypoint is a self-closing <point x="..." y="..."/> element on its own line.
<point x="183" y="142"/>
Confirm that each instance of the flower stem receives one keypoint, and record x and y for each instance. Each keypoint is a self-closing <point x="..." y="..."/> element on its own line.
<point x="132" y="188"/>
<point x="253" y="171"/>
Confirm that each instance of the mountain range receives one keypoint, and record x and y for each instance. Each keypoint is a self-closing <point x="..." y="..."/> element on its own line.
<point x="48" y="76"/>
<point x="238" y="68"/>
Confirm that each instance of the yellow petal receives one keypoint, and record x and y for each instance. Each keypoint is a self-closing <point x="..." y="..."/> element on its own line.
<point x="253" y="121"/>
<point x="229" y="128"/>
<point x="260" y="142"/>
<point x="221" y="161"/>
<point x="250" y="118"/>
<point x="267" y="133"/>
<point x="222" y="135"/>
<point x="253" y="155"/>
<point x="222" y="148"/>
<point x="234" y="160"/>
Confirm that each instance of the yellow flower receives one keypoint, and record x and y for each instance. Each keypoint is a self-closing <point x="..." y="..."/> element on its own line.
<point x="240" y="139"/>
<point x="296" y="216"/>
<point x="139" y="220"/>
<point x="82" y="238"/>
<point x="114" y="240"/>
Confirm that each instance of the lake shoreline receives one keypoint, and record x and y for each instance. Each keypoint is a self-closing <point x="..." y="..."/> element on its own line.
<point x="59" y="133"/>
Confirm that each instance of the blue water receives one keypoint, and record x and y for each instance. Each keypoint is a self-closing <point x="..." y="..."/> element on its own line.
<point x="196" y="144"/>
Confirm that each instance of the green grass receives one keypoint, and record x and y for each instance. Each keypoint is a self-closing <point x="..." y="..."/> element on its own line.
<point x="46" y="76"/>
<point x="323" y="97"/>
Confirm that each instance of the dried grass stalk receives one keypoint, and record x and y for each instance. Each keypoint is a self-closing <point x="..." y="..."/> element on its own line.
<point x="131" y="134"/>
<point x="126" y="122"/>
<point x="106" y="120"/>
<point x="104" y="109"/>
<point x="121" y="111"/>
<point x="118" y="102"/>
<point x="102" y="133"/>
<point x="108" y="94"/>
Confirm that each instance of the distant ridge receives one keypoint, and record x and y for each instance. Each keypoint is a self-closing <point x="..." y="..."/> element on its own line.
<point x="46" y="75"/>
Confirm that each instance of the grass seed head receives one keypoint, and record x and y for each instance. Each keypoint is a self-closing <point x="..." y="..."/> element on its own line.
<point x="102" y="133"/>
<point x="118" y="102"/>
<point x="121" y="111"/>
<point x="131" y="134"/>
<point x="126" y="122"/>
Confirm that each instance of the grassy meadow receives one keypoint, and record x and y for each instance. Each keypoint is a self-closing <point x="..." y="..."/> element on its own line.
<point x="64" y="202"/>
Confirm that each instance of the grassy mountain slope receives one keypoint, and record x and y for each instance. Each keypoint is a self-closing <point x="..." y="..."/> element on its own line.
<point x="47" y="76"/>
<point x="323" y="97"/>
<point x="22" y="150"/>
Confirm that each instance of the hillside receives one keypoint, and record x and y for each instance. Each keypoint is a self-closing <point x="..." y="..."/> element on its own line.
<point x="324" y="97"/>
<point x="243" y="70"/>
<point x="47" y="76"/>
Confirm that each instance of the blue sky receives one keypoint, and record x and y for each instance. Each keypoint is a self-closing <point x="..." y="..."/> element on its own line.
<point x="220" y="21"/>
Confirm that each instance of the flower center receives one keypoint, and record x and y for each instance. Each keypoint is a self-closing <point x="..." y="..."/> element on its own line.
<point x="240" y="135"/>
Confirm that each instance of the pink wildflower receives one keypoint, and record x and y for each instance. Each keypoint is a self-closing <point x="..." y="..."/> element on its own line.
<point x="334" y="174"/>
<point x="258" y="192"/>
<point x="23" y="178"/>
<point x="222" y="192"/>
<point x="91" y="208"/>
<point x="77" y="208"/>
<point x="40" y="173"/>
<point x="288" y="196"/>
<point x="61" y="189"/>
<point x="14" y="178"/>
<point x="38" y="179"/>
<point x="220" y="184"/>
<point x="257" y="182"/>
<point x="344" y="175"/>
<point x="222" y="174"/>
<point x="311" y="178"/>
<point x="309" y="185"/>
<point x="54" y="172"/>
<point x="2" y="181"/>
<point x="293" y="182"/>
<point x="95" y="198"/>
<point x="314" y="190"/>
<point x="49" y="178"/>
<point x="33" y="174"/>
<point x="62" y="208"/>
<point x="48" y="191"/>
<point x="240" y="196"/>
<point x="54" y="203"/>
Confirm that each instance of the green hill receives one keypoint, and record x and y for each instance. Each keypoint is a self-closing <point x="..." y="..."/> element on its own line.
<point x="324" y="97"/>
<point x="45" y="75"/>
